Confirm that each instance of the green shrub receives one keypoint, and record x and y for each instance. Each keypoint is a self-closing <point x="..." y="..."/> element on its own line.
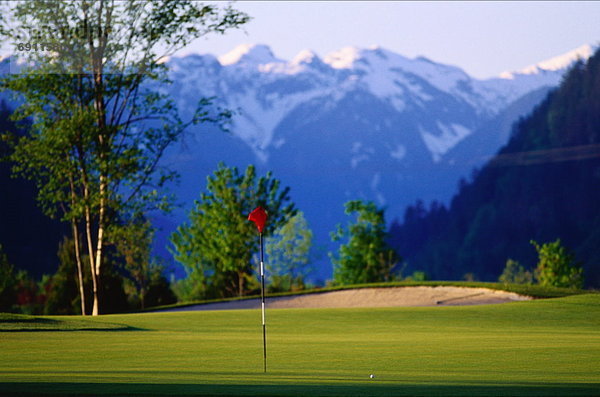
<point x="557" y="267"/>
<point x="514" y="273"/>
<point x="417" y="275"/>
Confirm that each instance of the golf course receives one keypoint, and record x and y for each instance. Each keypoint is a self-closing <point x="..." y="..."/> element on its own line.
<point x="540" y="347"/>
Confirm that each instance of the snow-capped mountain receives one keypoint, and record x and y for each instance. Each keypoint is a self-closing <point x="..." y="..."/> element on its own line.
<point x="266" y="89"/>
<point x="355" y="124"/>
<point x="358" y="123"/>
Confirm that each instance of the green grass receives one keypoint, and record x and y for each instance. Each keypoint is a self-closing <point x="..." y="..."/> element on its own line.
<point x="534" y="348"/>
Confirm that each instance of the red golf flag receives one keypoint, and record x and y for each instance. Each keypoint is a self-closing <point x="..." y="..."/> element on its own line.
<point x="259" y="217"/>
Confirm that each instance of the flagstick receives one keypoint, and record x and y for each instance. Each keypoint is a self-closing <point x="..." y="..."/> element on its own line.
<point x="262" y="294"/>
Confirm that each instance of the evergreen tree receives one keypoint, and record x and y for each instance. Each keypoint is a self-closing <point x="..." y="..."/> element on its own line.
<point x="217" y="244"/>
<point x="8" y="292"/>
<point x="366" y="257"/>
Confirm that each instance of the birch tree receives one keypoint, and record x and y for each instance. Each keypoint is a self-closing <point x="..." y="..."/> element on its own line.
<point x="99" y="129"/>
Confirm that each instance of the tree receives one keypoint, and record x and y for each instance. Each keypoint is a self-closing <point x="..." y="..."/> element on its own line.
<point x="159" y="289"/>
<point x="417" y="275"/>
<point x="133" y="245"/>
<point x="217" y="244"/>
<point x="144" y="283"/>
<point x="366" y="257"/>
<point x="547" y="166"/>
<point x="515" y="273"/>
<point x="62" y="290"/>
<point x="99" y="128"/>
<point x="557" y="267"/>
<point x="21" y="220"/>
<point x="288" y="252"/>
<point x="8" y="281"/>
<point x="30" y="297"/>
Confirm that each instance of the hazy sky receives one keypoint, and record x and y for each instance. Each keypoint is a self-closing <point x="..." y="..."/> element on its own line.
<point x="484" y="38"/>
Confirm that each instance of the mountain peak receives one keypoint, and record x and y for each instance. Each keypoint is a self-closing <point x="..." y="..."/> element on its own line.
<point x="306" y="57"/>
<point x="348" y="57"/>
<point x="344" y="58"/>
<point x="249" y="53"/>
<point x="559" y="62"/>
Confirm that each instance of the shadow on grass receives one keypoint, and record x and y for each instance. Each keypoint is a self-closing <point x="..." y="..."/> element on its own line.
<point x="367" y="389"/>
<point x="27" y="320"/>
<point x="21" y="323"/>
<point x="83" y="328"/>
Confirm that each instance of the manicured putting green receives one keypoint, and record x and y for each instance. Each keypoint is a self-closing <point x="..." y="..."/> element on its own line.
<point x="534" y="348"/>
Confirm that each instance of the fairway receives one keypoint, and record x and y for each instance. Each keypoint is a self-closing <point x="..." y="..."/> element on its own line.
<point x="534" y="348"/>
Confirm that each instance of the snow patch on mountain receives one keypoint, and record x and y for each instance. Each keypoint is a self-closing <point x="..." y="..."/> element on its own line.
<point x="395" y="78"/>
<point x="548" y="73"/>
<point x="391" y="76"/>
<point x="359" y="154"/>
<point x="344" y="58"/>
<point x="439" y="144"/>
<point x="258" y="116"/>
<point x="399" y="152"/>
<point x="375" y="188"/>
<point x="305" y="57"/>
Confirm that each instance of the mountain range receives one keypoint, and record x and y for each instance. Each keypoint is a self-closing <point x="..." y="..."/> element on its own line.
<point x="357" y="124"/>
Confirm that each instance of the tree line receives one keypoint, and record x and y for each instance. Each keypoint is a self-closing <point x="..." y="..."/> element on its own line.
<point x="96" y="130"/>
<point x="95" y="133"/>
<point x="541" y="186"/>
<point x="218" y="248"/>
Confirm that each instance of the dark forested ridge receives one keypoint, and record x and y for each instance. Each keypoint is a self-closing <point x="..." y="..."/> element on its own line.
<point x="28" y="238"/>
<point x="543" y="185"/>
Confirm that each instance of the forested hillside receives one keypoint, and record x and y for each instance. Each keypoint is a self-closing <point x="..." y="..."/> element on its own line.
<point x="543" y="185"/>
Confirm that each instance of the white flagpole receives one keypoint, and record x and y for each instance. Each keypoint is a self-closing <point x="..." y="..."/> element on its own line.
<point x="262" y="293"/>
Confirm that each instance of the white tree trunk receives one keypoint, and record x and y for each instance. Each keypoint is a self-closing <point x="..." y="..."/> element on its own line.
<point x="88" y="230"/>
<point x="79" y="266"/>
<point x="99" y="243"/>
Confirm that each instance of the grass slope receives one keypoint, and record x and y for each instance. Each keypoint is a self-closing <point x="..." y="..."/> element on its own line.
<point x="534" y="348"/>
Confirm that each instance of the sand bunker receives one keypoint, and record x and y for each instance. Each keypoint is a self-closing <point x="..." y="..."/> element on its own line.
<point x="373" y="297"/>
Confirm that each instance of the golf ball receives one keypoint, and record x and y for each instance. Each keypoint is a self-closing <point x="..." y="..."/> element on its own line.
<point x="371" y="376"/>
